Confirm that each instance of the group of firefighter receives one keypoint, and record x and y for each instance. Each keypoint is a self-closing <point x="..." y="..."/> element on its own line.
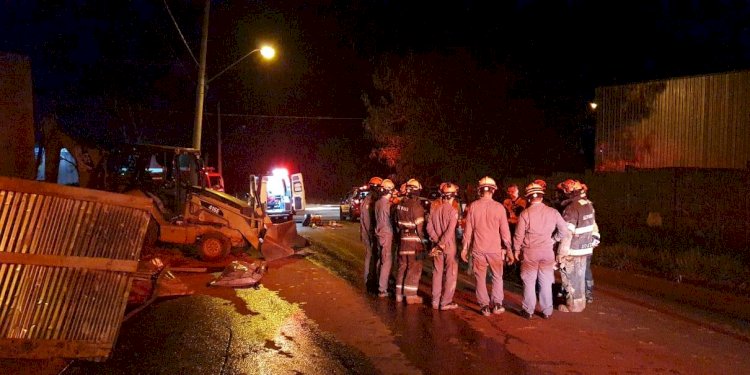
<point x="541" y="233"/>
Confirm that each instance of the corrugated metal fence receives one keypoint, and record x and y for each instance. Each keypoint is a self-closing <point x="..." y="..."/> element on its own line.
<point x="690" y="122"/>
<point x="66" y="260"/>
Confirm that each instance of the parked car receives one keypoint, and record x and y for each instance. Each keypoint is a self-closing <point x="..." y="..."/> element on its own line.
<point x="349" y="209"/>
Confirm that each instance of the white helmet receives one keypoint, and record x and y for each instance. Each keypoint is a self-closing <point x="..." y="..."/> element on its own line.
<point x="413" y="187"/>
<point x="387" y="186"/>
<point x="534" y="190"/>
<point x="448" y="190"/>
<point x="486" y="184"/>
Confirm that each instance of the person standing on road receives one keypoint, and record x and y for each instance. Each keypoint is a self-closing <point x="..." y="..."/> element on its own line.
<point x="539" y="227"/>
<point x="513" y="204"/>
<point x="367" y="230"/>
<point x="441" y="227"/>
<point x="486" y="234"/>
<point x="596" y="238"/>
<point x="410" y="221"/>
<point x="578" y="212"/>
<point x="384" y="234"/>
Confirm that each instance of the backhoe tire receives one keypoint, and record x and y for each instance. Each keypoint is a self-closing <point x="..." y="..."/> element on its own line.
<point x="213" y="246"/>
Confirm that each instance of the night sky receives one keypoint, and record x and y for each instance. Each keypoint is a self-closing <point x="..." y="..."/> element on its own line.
<point x="99" y="63"/>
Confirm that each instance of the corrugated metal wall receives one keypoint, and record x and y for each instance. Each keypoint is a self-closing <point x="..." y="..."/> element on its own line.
<point x="66" y="260"/>
<point x="698" y="122"/>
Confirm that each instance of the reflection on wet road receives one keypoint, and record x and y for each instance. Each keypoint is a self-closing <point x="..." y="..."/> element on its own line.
<point x="209" y="335"/>
<point x="312" y="315"/>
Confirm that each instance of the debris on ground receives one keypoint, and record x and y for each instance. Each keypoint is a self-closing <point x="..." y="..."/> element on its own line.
<point x="239" y="274"/>
<point x="314" y="221"/>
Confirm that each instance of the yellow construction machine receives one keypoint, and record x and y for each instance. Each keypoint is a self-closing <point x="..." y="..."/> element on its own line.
<point x="187" y="212"/>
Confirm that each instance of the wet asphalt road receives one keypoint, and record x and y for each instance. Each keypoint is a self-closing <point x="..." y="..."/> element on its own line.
<point x="311" y="315"/>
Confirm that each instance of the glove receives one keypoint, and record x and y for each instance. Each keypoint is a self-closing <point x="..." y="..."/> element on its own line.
<point x="436" y="251"/>
<point x="510" y="258"/>
<point x="595" y="240"/>
<point x="465" y="255"/>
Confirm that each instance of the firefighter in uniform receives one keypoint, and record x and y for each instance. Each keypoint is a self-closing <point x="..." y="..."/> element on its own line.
<point x="539" y="227"/>
<point x="441" y="227"/>
<point x="578" y="212"/>
<point x="486" y="234"/>
<point x="514" y="204"/>
<point x="384" y="234"/>
<point x="410" y="221"/>
<point x="367" y="230"/>
<point x="595" y="242"/>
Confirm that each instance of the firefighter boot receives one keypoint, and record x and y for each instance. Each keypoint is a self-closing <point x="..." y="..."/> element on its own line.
<point x="412" y="300"/>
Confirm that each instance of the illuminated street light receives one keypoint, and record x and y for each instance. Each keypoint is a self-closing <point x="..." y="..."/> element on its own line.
<point x="266" y="51"/>
<point x="593" y="105"/>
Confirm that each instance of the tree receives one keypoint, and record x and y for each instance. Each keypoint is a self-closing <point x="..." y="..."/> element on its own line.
<point x="441" y="117"/>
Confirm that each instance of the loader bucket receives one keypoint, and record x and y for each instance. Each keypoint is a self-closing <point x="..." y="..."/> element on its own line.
<point x="280" y="239"/>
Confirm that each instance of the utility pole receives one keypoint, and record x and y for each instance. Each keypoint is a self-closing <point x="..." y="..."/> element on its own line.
<point x="218" y="136"/>
<point x="201" y="90"/>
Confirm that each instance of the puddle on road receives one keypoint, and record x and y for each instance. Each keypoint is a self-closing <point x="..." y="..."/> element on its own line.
<point x="206" y="335"/>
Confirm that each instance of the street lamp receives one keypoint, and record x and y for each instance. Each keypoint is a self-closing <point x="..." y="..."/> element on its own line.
<point x="266" y="51"/>
<point x="200" y="95"/>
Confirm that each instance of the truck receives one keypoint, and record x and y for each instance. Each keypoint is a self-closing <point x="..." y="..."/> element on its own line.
<point x="187" y="212"/>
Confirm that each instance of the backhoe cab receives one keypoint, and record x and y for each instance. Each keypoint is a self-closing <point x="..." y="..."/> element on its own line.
<point x="188" y="212"/>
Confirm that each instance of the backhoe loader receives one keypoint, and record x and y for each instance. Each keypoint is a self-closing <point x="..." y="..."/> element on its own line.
<point x="185" y="211"/>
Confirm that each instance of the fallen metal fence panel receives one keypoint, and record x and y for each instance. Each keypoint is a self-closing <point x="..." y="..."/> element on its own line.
<point x="67" y="256"/>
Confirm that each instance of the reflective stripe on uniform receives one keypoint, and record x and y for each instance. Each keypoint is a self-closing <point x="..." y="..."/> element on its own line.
<point x="586" y="229"/>
<point x="571" y="227"/>
<point x="407" y="224"/>
<point x="406" y="252"/>
<point x="419" y="220"/>
<point x="411" y="239"/>
<point x="579" y="252"/>
<point x="410" y="287"/>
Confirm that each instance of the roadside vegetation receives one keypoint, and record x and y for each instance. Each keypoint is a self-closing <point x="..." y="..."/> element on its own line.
<point x="675" y="257"/>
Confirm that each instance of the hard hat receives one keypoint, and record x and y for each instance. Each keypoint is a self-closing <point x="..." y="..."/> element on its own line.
<point x="569" y="186"/>
<point x="448" y="190"/>
<point x="541" y="183"/>
<point x="375" y="181"/>
<point x="534" y="190"/>
<point x="413" y="187"/>
<point x="387" y="186"/>
<point x="487" y="184"/>
<point x="414" y="184"/>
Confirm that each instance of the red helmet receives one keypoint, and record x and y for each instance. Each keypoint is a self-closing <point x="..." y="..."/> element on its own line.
<point x="541" y="183"/>
<point x="375" y="181"/>
<point x="570" y="186"/>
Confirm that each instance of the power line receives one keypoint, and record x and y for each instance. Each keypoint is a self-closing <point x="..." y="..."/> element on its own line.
<point x="289" y="117"/>
<point x="180" y="32"/>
